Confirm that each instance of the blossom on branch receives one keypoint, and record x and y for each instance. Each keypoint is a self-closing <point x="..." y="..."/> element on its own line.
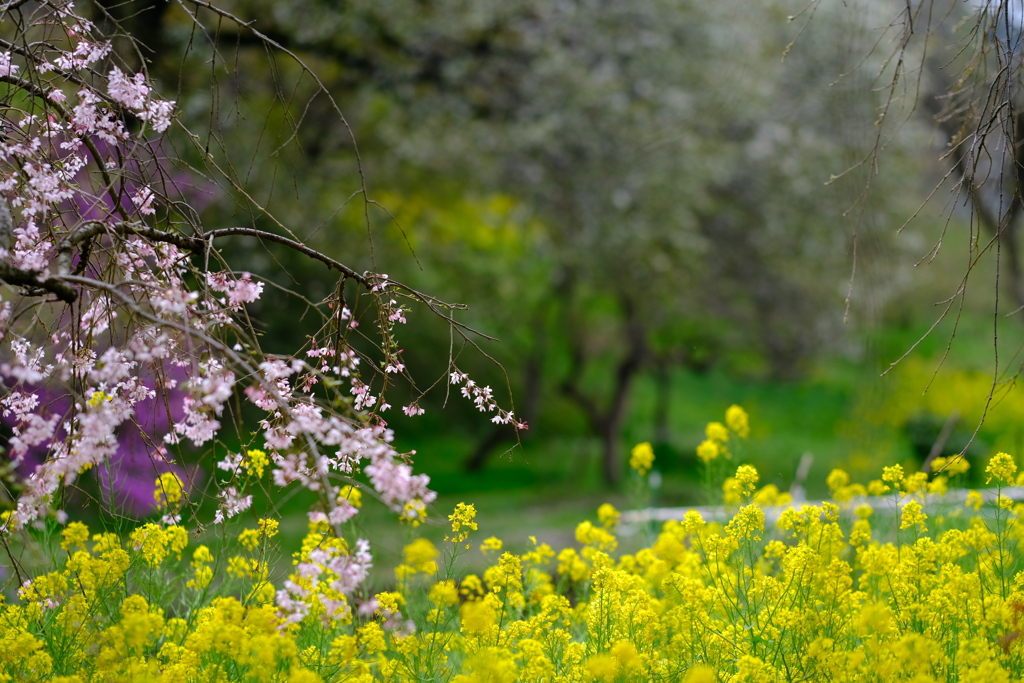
<point x="127" y="349"/>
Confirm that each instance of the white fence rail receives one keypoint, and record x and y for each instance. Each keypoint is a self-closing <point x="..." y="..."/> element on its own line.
<point x="632" y="519"/>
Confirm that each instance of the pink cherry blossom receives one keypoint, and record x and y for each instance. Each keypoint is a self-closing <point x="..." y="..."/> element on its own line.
<point x="125" y="337"/>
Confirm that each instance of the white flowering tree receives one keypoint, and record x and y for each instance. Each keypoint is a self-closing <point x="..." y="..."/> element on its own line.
<point x="125" y="338"/>
<point x="957" y="68"/>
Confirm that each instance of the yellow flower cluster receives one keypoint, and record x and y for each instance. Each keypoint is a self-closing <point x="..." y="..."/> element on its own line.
<point x="255" y="462"/>
<point x="1002" y="468"/>
<point x="155" y="542"/>
<point x="641" y="458"/>
<point x="920" y="585"/>
<point x="351" y="495"/>
<point x="420" y="556"/>
<point x="265" y="530"/>
<point x="97" y="619"/>
<point x="925" y="591"/>
<point x="97" y="398"/>
<point x="462" y="523"/>
<point x="737" y="423"/>
<point x="169" y="491"/>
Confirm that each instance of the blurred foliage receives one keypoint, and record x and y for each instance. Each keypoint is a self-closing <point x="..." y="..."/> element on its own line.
<point x="617" y="190"/>
<point x="978" y="413"/>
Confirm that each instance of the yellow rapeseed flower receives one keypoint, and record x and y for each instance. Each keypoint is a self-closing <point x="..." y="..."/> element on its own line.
<point x="747" y="524"/>
<point x="343" y="650"/>
<point x="877" y="488"/>
<point x="602" y="667"/>
<point x="490" y="664"/>
<point x="444" y="593"/>
<point x="951" y="466"/>
<point x="958" y="464"/>
<point x="201" y="556"/>
<point x="642" y="458"/>
<point x="177" y="539"/>
<point x="268" y="526"/>
<point x="570" y="564"/>
<point x="837" y="479"/>
<point x="169" y="490"/>
<point x="860" y="533"/>
<point x="608" y="516"/>
<point x="265" y="528"/>
<point x="491" y="545"/>
<point x="747" y="477"/>
<point x="371" y="637"/>
<point x="98" y="397"/>
<point x="255" y="462"/>
<point x="913" y="483"/>
<point x="203" y="577"/>
<point x="939" y="486"/>
<point x="716" y="431"/>
<point x="708" y="450"/>
<point x="893" y="474"/>
<point x="151" y="541"/>
<point x="249" y="538"/>
<point x="769" y="495"/>
<point x="421" y="555"/>
<point x="588" y="534"/>
<point x="629" y="658"/>
<point x="732" y="492"/>
<point x="262" y="593"/>
<point x="352" y="495"/>
<point x="752" y="669"/>
<point x="75" y="534"/>
<point x="478" y="616"/>
<point x="104" y="542"/>
<point x="389" y="602"/>
<point x="1002" y="467"/>
<point x="414" y="512"/>
<point x="693" y="523"/>
<point x="874" y="619"/>
<point x="700" y="674"/>
<point x="462" y="523"/>
<point x="738" y="421"/>
<point x="471" y="587"/>
<point x="243" y="567"/>
<point x="541" y="553"/>
<point x="913" y="514"/>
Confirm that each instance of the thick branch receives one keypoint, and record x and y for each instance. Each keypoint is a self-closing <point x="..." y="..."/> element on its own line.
<point x="199" y="244"/>
<point x="30" y="280"/>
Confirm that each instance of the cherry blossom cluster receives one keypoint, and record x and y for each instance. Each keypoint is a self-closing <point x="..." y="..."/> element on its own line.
<point x="118" y="348"/>
<point x="483" y="399"/>
<point x="239" y="292"/>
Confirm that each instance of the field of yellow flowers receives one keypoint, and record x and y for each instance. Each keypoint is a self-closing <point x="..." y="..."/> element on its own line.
<point x="903" y="579"/>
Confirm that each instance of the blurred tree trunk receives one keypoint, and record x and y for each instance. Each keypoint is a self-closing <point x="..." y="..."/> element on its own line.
<point x="998" y="210"/>
<point x="607" y="422"/>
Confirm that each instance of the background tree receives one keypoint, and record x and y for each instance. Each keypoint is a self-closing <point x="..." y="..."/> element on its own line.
<point x="686" y="222"/>
<point x="956" y="69"/>
<point x="668" y="176"/>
